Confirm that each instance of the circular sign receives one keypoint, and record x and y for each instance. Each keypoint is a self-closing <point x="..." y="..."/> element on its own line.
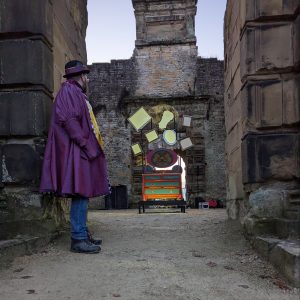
<point x="169" y="137"/>
<point x="161" y="158"/>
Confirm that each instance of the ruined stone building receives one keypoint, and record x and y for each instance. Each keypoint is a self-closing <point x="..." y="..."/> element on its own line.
<point x="164" y="71"/>
<point x="245" y="126"/>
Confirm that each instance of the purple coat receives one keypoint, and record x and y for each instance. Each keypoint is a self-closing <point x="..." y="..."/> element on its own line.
<point x="74" y="163"/>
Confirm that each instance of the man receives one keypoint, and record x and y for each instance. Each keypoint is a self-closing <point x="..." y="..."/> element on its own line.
<point x="74" y="163"/>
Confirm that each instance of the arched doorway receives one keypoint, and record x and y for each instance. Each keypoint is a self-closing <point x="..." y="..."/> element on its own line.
<point x="180" y="162"/>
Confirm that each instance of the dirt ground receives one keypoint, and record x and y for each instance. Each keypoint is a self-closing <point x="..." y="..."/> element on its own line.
<point x="162" y="254"/>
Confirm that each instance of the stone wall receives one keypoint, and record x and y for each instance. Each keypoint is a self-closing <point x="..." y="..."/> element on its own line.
<point x="109" y="84"/>
<point x="261" y="98"/>
<point x="164" y="71"/>
<point x="36" y="38"/>
<point x="112" y="94"/>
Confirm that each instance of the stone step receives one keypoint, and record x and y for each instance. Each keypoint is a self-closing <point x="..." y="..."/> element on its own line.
<point x="288" y="229"/>
<point x="35" y="227"/>
<point x="22" y="245"/>
<point x="283" y="254"/>
<point x="293" y="214"/>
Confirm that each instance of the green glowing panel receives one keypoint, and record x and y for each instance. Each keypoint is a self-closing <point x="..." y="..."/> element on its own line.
<point x="162" y="183"/>
<point x="136" y="149"/>
<point x="151" y="136"/>
<point x="162" y="191"/>
<point x="139" y="119"/>
<point x="166" y="118"/>
<point x="169" y="137"/>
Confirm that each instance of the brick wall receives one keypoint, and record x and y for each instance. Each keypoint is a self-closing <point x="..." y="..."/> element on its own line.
<point x="112" y="94"/>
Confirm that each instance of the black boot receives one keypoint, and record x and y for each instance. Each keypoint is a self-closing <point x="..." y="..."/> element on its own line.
<point x="84" y="246"/>
<point x="92" y="240"/>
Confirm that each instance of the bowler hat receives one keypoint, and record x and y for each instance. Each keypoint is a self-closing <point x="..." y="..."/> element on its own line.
<point x="76" y="68"/>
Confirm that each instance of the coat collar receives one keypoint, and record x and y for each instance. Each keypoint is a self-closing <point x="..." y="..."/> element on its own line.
<point x="75" y="83"/>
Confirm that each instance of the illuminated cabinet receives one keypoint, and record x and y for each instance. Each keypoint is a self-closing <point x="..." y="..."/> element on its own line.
<point x="159" y="186"/>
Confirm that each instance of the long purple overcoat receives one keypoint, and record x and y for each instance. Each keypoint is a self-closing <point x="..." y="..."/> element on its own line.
<point x="74" y="163"/>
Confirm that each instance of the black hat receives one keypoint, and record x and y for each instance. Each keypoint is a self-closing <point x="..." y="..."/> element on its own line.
<point x="75" y="67"/>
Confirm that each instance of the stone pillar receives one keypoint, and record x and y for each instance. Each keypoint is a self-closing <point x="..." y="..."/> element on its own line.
<point x="165" y="52"/>
<point x="36" y="40"/>
<point x="26" y="86"/>
<point x="261" y="98"/>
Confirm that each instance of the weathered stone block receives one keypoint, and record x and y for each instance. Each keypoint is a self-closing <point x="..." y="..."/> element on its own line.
<point x="24" y="113"/>
<point x="233" y="113"/>
<point x="257" y="9"/>
<point x="233" y="139"/>
<point x="270" y="156"/>
<point x="27" y="16"/>
<point x="265" y="245"/>
<point x="271" y="101"/>
<point x="286" y="257"/>
<point x="267" y="203"/>
<point x="20" y="164"/>
<point x="164" y="71"/>
<point x="290" y="99"/>
<point x="26" y="62"/>
<point x="234" y="175"/>
<point x="297" y="41"/>
<point x="165" y="22"/>
<point x="234" y="88"/>
<point x="262" y="48"/>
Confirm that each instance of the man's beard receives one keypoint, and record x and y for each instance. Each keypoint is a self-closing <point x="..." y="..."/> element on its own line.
<point x="85" y="87"/>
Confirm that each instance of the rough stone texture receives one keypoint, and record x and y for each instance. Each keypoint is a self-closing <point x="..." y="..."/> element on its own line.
<point x="262" y="50"/>
<point x="20" y="163"/>
<point x="271" y="101"/>
<point x="262" y="123"/>
<point x="258" y="9"/>
<point x="165" y="71"/>
<point x="20" y="204"/>
<point x="267" y="203"/>
<point x="15" y="19"/>
<point x="109" y="83"/>
<point x="285" y="255"/>
<point x="261" y="94"/>
<point x="24" y="113"/>
<point x="270" y="156"/>
<point x="25" y="61"/>
<point x="165" y="22"/>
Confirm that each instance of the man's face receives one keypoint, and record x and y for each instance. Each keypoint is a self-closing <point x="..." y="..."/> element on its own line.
<point x="85" y="81"/>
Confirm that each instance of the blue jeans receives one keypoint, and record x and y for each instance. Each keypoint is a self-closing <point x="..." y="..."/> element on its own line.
<point x="78" y="218"/>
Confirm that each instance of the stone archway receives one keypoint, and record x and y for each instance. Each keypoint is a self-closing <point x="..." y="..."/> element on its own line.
<point x="203" y="170"/>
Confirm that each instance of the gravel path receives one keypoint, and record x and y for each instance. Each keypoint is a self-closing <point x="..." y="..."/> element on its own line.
<point x="161" y="254"/>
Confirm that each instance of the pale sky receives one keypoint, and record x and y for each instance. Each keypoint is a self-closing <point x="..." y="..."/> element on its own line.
<point x="111" y="29"/>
